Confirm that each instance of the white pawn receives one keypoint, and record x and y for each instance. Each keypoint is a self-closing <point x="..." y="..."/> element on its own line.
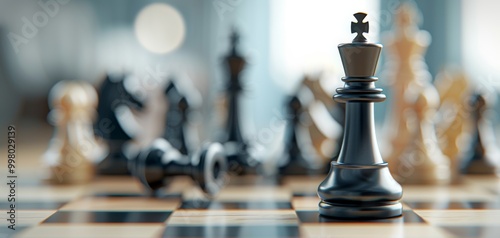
<point x="422" y="162"/>
<point x="73" y="148"/>
<point x="454" y="125"/>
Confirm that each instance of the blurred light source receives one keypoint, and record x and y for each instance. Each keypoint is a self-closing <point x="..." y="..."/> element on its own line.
<point x="305" y="35"/>
<point x="160" y="28"/>
<point x="480" y="57"/>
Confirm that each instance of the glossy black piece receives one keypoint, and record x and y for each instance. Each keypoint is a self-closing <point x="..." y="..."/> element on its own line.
<point x="157" y="165"/>
<point x="236" y="146"/>
<point x="359" y="184"/>
<point x="176" y="119"/>
<point x="360" y="27"/>
<point x="112" y="95"/>
<point x="482" y="156"/>
<point x="294" y="161"/>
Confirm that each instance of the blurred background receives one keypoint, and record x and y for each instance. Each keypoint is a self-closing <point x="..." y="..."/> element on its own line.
<point x="45" y="41"/>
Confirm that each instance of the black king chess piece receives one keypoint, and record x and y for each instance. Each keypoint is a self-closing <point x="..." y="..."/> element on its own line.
<point x="359" y="184"/>
<point x="236" y="147"/>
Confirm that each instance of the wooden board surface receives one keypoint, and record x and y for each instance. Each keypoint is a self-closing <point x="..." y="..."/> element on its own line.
<point x="247" y="207"/>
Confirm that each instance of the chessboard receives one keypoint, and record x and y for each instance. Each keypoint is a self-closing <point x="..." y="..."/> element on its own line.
<point x="227" y="193"/>
<point x="249" y="206"/>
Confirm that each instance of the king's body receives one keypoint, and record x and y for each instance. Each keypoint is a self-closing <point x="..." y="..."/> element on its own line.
<point x="359" y="184"/>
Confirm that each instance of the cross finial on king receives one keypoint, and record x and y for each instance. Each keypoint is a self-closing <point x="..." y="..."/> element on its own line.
<point x="359" y="27"/>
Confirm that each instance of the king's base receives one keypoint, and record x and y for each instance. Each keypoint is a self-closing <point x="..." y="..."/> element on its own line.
<point x="343" y="211"/>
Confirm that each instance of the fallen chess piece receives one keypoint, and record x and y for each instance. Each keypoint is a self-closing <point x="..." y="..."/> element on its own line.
<point x="157" y="165"/>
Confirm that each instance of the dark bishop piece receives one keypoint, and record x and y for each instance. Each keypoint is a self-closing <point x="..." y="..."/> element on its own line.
<point x="234" y="143"/>
<point x="359" y="184"/>
<point x="157" y="165"/>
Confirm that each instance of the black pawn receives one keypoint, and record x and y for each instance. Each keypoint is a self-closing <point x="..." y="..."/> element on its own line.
<point x="482" y="156"/>
<point x="294" y="161"/>
<point x="157" y="165"/>
<point x="112" y="95"/>
<point x="176" y="118"/>
<point x="236" y="146"/>
<point x="359" y="185"/>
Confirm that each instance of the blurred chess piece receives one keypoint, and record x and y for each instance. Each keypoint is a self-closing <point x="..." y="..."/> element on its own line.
<point x="423" y="162"/>
<point x="73" y="150"/>
<point x="176" y="118"/>
<point x="482" y="156"/>
<point x="116" y="123"/>
<point x="414" y="155"/>
<point x="313" y="83"/>
<point x="326" y="120"/>
<point x="236" y="146"/>
<point x="405" y="45"/>
<point x="158" y="164"/>
<point x="299" y="155"/>
<point x="453" y="124"/>
<point x="312" y="132"/>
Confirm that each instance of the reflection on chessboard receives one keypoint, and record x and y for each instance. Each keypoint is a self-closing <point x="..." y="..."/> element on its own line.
<point x="247" y="208"/>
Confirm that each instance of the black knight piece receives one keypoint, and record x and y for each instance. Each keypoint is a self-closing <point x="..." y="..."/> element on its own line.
<point x="114" y="123"/>
<point x="359" y="184"/>
<point x="157" y="165"/>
